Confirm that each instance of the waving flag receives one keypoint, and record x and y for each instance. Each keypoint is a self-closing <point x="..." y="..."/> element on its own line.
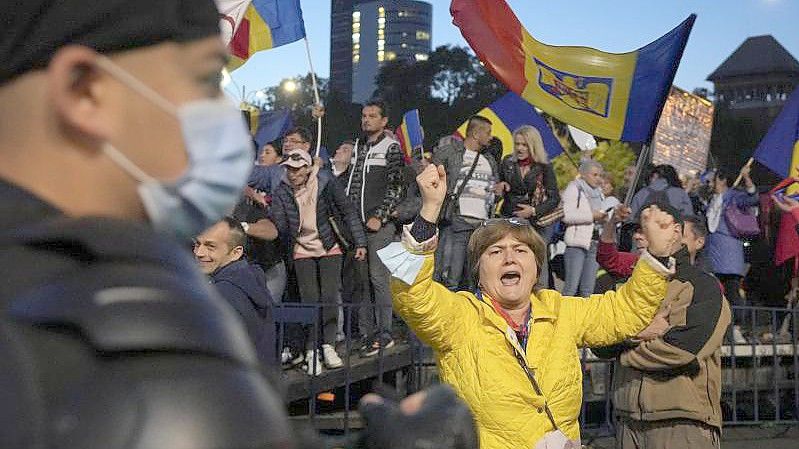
<point x="250" y="26"/>
<point x="509" y="113"/>
<point x="410" y="136"/>
<point x="268" y="126"/>
<point x="615" y="96"/>
<point x="779" y="151"/>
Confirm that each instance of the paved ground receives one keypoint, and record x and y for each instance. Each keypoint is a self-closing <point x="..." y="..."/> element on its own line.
<point x="772" y="437"/>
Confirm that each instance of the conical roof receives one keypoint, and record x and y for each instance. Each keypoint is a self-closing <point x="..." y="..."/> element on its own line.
<point x="757" y="55"/>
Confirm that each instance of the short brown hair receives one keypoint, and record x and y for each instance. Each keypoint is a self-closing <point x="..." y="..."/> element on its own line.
<point x="495" y="230"/>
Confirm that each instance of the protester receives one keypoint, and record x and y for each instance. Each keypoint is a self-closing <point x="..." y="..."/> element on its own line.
<point x="219" y="250"/>
<point x="726" y="251"/>
<point x="621" y="264"/>
<point x="530" y="188"/>
<point x="583" y="217"/>
<point x="376" y="185"/>
<point x="664" y="187"/>
<point x="521" y="391"/>
<point x="471" y="180"/>
<point x="667" y="382"/>
<point x="610" y="201"/>
<point x="306" y="207"/>
<point x="342" y="160"/>
<point x="115" y="338"/>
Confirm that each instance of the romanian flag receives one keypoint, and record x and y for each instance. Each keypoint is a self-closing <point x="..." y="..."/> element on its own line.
<point x="615" y="96"/>
<point x="264" y="24"/>
<point x="410" y="136"/>
<point x="779" y="151"/>
<point x="509" y="113"/>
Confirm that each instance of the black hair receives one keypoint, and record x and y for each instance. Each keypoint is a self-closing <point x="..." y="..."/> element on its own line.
<point x="473" y="120"/>
<point x="668" y="173"/>
<point x="726" y="174"/>
<point x="699" y="225"/>
<point x="278" y="148"/>
<point x="380" y="104"/>
<point x="304" y="134"/>
<point x="237" y="235"/>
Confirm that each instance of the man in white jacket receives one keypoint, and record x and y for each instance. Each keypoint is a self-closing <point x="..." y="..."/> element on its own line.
<point x="582" y="214"/>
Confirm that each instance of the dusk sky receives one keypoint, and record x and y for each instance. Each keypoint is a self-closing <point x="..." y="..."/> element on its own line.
<point x="614" y="26"/>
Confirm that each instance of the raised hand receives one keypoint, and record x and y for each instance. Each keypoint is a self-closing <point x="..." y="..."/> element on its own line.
<point x="662" y="232"/>
<point x="785" y="203"/>
<point x="433" y="189"/>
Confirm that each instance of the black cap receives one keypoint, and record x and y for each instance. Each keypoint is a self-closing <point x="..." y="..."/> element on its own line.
<point x="33" y="30"/>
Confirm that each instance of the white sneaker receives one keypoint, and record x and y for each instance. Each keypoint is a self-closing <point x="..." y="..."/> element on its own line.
<point x="738" y="336"/>
<point x="332" y="360"/>
<point x="313" y="363"/>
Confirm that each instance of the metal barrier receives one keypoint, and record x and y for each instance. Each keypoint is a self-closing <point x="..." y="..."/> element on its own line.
<point x="760" y="380"/>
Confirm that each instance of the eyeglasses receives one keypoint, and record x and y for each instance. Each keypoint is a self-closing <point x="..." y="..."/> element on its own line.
<point x="520" y="222"/>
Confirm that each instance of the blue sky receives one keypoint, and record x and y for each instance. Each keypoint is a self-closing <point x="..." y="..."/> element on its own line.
<point x="610" y="25"/>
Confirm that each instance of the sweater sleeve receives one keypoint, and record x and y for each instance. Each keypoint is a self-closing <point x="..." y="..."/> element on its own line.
<point x="395" y="190"/>
<point x="616" y="262"/>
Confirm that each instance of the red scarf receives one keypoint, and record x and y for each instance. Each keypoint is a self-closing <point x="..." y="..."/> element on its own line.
<point x="525" y="162"/>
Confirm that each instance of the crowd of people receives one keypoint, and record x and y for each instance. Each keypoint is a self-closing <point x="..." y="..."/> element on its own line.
<point x="315" y="225"/>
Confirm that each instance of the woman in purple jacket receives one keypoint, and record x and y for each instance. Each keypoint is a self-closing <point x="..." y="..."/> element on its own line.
<point x="724" y="250"/>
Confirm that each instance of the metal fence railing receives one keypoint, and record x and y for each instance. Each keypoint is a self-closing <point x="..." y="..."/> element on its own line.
<point x="760" y="379"/>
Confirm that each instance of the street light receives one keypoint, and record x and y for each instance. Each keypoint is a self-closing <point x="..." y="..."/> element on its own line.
<point x="290" y="86"/>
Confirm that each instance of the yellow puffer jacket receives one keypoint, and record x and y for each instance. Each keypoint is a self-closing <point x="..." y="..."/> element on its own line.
<point x="474" y="352"/>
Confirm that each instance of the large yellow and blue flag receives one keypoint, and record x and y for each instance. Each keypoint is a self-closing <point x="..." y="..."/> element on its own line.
<point x="779" y="152"/>
<point x="612" y="95"/>
<point x="410" y="136"/>
<point x="509" y="113"/>
<point x="264" y="24"/>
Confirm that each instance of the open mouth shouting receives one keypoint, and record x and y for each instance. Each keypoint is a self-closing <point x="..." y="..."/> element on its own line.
<point x="510" y="278"/>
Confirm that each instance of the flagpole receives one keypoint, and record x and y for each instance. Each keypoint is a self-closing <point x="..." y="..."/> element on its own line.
<point x="740" y="174"/>
<point x="316" y="96"/>
<point x="639" y="167"/>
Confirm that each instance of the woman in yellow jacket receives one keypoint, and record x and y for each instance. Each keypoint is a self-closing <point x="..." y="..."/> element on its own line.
<point x="522" y="381"/>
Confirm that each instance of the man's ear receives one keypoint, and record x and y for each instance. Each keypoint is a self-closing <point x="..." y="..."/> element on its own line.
<point x="76" y="87"/>
<point x="236" y="253"/>
<point x="700" y="242"/>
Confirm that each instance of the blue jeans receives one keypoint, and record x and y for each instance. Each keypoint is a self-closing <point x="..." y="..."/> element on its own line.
<point x="452" y="268"/>
<point x="580" y="267"/>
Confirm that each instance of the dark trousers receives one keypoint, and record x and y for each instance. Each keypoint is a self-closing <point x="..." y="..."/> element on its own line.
<point x="355" y="290"/>
<point x="318" y="282"/>
<point x="732" y="284"/>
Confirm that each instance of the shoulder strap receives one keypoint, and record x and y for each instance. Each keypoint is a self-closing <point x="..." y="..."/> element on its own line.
<point x="466" y="179"/>
<point x="535" y="386"/>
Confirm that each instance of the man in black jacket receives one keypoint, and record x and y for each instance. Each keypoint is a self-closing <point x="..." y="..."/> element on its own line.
<point x="220" y="253"/>
<point x="116" y="145"/>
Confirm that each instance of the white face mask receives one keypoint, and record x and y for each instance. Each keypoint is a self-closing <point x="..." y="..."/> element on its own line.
<point x="220" y="155"/>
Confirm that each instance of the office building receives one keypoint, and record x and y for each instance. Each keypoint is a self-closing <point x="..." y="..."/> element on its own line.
<point x="366" y="34"/>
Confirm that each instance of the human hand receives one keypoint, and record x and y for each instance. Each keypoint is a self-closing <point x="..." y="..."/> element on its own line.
<point x="433" y="418"/>
<point x="620" y="213"/>
<point x="255" y="197"/>
<point x="662" y="232"/>
<point x="658" y="326"/>
<point x="373" y="224"/>
<point x="524" y="211"/>
<point x="318" y="111"/>
<point x="600" y="215"/>
<point x="433" y="189"/>
<point x="360" y="254"/>
<point x="501" y="187"/>
<point x="785" y="203"/>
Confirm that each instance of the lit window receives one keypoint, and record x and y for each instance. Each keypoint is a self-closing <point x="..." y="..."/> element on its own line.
<point x="404" y="45"/>
<point x="381" y="33"/>
<point x="390" y="56"/>
<point x="356" y="37"/>
<point x="356" y="27"/>
<point x="404" y="34"/>
<point x="421" y="56"/>
<point x="356" y="47"/>
<point x="381" y="12"/>
<point x="356" y="58"/>
<point x="381" y="55"/>
<point x="356" y="16"/>
<point x="381" y="21"/>
<point x="422" y="35"/>
<point x="401" y="14"/>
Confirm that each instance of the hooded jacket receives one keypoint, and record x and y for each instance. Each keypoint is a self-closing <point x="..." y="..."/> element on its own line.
<point x="473" y="344"/>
